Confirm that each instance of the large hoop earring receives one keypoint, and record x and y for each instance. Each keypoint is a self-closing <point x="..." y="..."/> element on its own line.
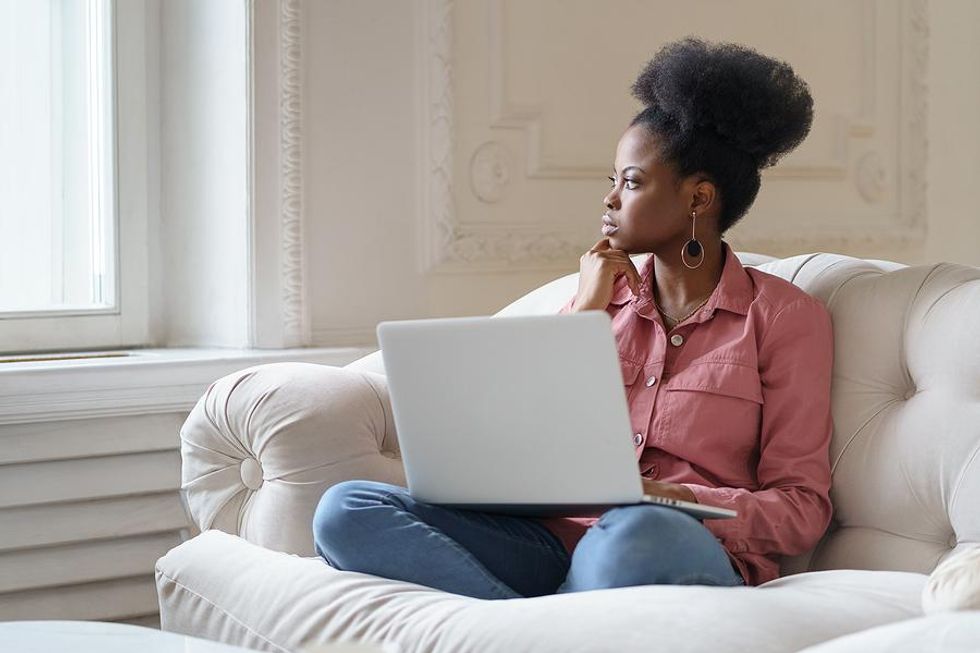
<point x="693" y="246"/>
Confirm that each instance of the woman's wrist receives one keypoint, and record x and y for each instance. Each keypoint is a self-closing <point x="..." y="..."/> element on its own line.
<point x="669" y="490"/>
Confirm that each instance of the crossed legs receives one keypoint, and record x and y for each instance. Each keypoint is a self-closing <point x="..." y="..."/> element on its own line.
<point x="378" y="528"/>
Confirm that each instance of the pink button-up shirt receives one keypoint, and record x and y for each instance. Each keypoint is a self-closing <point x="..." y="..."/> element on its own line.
<point x="734" y="403"/>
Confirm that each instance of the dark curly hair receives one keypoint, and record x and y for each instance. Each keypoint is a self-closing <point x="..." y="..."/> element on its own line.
<point x="723" y="110"/>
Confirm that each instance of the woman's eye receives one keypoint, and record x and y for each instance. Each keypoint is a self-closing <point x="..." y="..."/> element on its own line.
<point x="613" y="180"/>
<point x="631" y="185"/>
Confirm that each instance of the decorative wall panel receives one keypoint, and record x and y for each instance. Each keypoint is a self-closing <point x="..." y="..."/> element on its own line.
<point x="547" y="84"/>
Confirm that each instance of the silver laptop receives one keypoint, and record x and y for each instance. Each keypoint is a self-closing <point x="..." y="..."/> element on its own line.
<point x="516" y="415"/>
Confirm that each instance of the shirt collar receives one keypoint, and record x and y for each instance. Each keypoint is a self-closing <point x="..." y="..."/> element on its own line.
<point x="734" y="291"/>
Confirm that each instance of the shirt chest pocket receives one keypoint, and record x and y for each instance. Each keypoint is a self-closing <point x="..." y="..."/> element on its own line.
<point x="714" y="408"/>
<point x="631" y="372"/>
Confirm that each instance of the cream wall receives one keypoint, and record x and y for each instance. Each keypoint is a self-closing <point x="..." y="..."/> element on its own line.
<point x="455" y="153"/>
<point x="199" y="249"/>
<point x="954" y="132"/>
<point x="359" y="166"/>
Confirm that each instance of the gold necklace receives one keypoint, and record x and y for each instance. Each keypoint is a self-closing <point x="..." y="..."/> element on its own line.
<point x="676" y="320"/>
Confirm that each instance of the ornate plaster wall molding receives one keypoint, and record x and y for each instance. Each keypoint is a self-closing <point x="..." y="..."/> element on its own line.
<point x="448" y="245"/>
<point x="833" y="241"/>
<point x="870" y="177"/>
<point x="914" y="124"/>
<point x="438" y="228"/>
<point x="278" y="306"/>
<point x="295" y="327"/>
<point x="489" y="171"/>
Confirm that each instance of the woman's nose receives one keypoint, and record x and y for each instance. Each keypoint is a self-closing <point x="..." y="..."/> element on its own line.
<point x="611" y="200"/>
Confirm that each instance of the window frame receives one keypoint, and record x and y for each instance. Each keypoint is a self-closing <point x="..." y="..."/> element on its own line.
<point x="132" y="44"/>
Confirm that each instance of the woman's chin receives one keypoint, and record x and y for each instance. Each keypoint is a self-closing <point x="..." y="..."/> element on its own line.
<point x="617" y="242"/>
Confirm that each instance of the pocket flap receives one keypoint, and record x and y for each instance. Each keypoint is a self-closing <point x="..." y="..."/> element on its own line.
<point x="730" y="379"/>
<point x="621" y="292"/>
<point x="631" y="371"/>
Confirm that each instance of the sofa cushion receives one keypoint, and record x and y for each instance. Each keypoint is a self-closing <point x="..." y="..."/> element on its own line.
<point x="954" y="584"/>
<point x="957" y="632"/>
<point x="219" y="586"/>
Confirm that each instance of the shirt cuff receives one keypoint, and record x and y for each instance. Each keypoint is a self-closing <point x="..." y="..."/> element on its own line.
<point x="729" y="531"/>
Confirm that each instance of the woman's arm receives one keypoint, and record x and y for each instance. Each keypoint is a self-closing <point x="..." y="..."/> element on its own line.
<point x="791" y="509"/>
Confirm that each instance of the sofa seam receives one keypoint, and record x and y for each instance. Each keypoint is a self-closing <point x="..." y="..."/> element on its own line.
<point x="233" y="440"/>
<point x="802" y="265"/>
<point x="331" y="463"/>
<point x="384" y="413"/>
<point x="840" y="456"/>
<point x="902" y="343"/>
<point x="221" y="610"/>
<point x="954" y="495"/>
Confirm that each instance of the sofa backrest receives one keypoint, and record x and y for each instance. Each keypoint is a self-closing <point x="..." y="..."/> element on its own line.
<point x="906" y="405"/>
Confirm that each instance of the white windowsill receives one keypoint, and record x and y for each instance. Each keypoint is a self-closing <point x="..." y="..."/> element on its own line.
<point x="169" y="356"/>
<point x="144" y="381"/>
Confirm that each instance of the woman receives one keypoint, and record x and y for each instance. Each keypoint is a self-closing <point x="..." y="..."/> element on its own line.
<point x="727" y="369"/>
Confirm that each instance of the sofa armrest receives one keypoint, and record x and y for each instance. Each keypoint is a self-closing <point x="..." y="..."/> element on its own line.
<point x="263" y="444"/>
<point x="373" y="362"/>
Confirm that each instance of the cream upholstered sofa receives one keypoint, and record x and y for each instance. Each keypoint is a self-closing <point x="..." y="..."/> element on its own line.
<point x="262" y="445"/>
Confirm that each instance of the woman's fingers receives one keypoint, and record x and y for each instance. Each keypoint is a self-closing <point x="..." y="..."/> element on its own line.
<point x="621" y="257"/>
<point x="599" y="268"/>
<point x="602" y="245"/>
<point x="625" y="267"/>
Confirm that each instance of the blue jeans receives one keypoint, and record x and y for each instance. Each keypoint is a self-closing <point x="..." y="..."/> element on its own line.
<point x="378" y="528"/>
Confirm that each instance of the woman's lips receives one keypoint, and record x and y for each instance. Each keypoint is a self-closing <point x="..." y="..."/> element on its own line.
<point x="608" y="227"/>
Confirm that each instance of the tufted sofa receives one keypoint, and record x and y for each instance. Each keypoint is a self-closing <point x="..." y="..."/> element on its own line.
<point x="262" y="445"/>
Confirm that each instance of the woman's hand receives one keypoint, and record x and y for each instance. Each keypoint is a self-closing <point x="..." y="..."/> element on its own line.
<point x="669" y="490"/>
<point x="598" y="269"/>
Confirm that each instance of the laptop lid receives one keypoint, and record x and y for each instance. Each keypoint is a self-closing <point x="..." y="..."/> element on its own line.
<point x="511" y="410"/>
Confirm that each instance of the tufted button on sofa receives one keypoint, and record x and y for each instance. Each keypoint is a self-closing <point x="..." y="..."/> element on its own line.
<point x="264" y="443"/>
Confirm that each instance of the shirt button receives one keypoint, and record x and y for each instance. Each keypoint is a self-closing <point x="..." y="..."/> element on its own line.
<point x="677" y="340"/>
<point x="637" y="439"/>
<point x="651" y="381"/>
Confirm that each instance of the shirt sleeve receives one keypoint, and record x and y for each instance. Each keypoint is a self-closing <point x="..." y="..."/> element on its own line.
<point x="790" y="511"/>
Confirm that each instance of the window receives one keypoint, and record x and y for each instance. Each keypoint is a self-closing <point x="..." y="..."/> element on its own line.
<point x="63" y="270"/>
<point x="56" y="173"/>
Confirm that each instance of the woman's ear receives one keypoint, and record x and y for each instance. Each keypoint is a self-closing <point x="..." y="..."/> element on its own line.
<point x="703" y="198"/>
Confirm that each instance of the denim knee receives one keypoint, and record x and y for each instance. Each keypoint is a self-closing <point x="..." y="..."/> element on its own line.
<point x="653" y="522"/>
<point x="334" y="530"/>
<point x="641" y="545"/>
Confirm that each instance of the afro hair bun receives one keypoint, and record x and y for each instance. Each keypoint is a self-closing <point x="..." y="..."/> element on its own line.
<point x="754" y="103"/>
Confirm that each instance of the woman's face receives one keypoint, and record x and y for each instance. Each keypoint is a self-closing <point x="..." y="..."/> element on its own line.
<point x="646" y="208"/>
